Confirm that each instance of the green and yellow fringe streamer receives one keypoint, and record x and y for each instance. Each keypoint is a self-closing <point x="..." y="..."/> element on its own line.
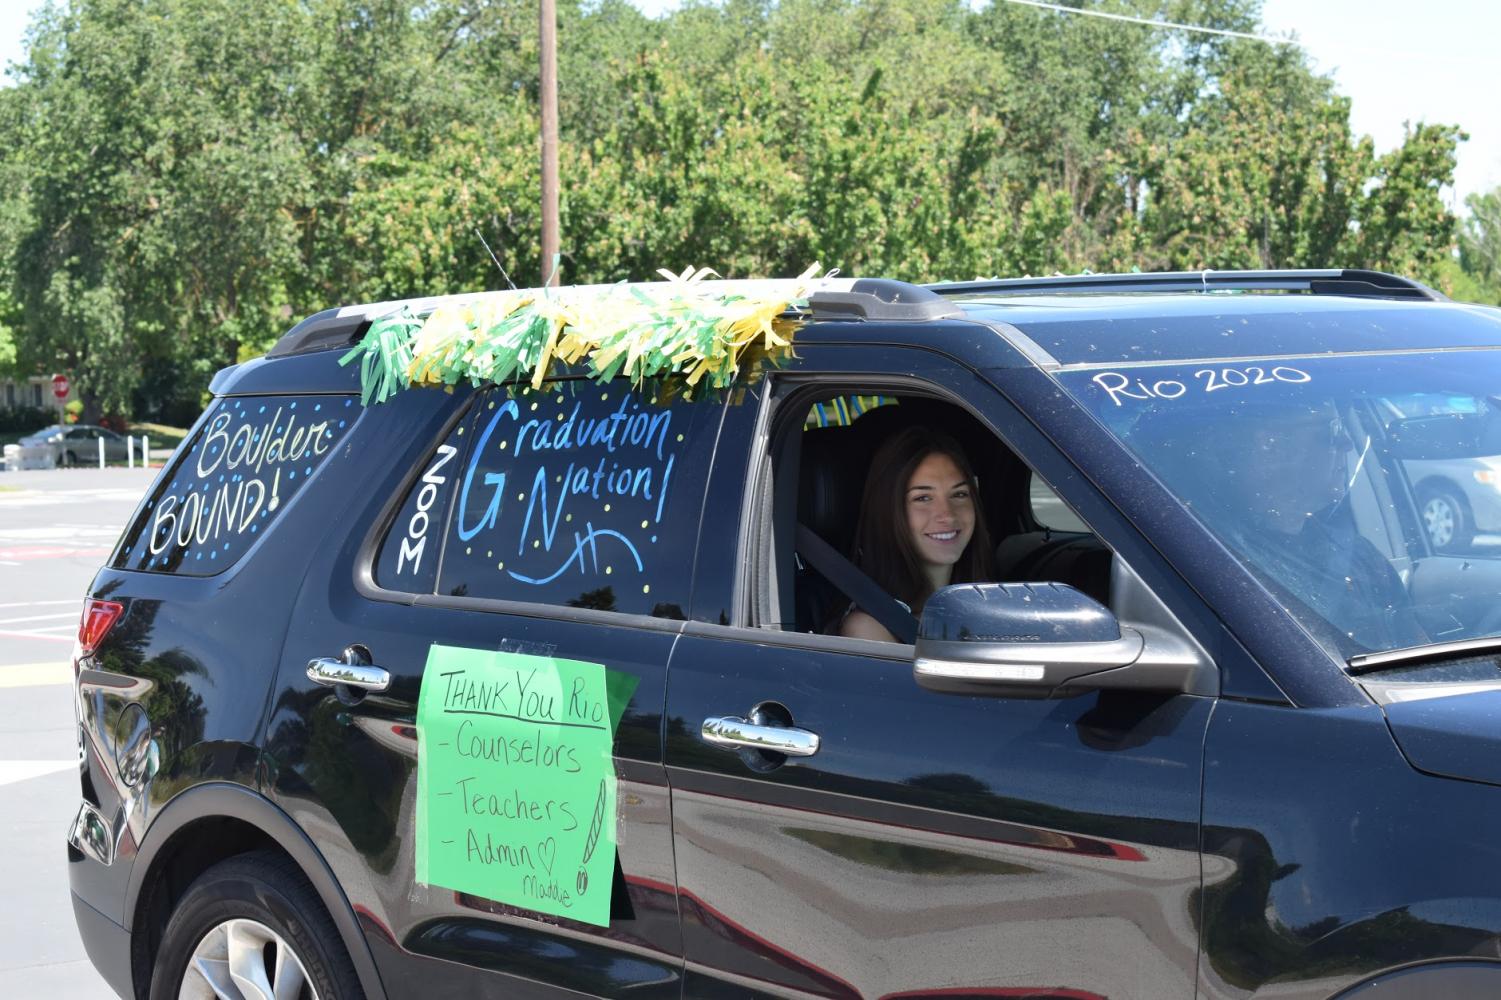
<point x="677" y="326"/>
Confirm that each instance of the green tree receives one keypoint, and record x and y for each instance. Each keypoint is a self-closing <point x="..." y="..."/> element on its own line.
<point x="156" y="191"/>
<point x="187" y="170"/>
<point x="1480" y="249"/>
<point x="1270" y="174"/>
<point x="182" y="180"/>
<point x="1402" y="223"/>
<point x="7" y="336"/>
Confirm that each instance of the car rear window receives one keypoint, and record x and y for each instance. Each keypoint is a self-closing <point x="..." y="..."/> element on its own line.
<point x="242" y="468"/>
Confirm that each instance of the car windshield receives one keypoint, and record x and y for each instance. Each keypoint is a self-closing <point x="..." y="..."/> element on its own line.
<point x="1363" y="490"/>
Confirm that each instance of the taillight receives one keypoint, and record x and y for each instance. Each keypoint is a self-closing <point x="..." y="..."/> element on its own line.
<point x="98" y="618"/>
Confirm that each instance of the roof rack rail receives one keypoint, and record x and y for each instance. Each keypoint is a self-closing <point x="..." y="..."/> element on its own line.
<point x="881" y="300"/>
<point x="1331" y="281"/>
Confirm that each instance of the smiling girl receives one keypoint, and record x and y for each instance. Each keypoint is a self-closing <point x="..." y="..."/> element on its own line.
<point x="921" y="527"/>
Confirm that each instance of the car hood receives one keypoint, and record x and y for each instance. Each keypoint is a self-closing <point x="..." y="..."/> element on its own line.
<point x="1456" y="737"/>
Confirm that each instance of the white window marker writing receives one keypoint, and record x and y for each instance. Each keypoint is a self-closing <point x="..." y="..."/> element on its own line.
<point x="416" y="539"/>
<point x="1120" y="386"/>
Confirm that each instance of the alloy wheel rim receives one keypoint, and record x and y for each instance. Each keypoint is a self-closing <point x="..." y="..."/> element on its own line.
<point x="1439" y="516"/>
<point x="245" y="960"/>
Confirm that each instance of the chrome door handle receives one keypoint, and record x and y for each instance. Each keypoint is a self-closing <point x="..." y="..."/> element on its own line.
<point x="736" y="733"/>
<point x="352" y="669"/>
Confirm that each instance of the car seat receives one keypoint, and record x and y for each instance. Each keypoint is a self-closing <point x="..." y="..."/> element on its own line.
<point x="831" y="478"/>
<point x="1078" y="559"/>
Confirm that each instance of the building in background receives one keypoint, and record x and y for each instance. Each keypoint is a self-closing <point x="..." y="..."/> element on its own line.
<point x="33" y="392"/>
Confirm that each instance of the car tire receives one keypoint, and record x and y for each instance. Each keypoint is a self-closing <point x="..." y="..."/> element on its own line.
<point x="69" y="460"/>
<point x="252" y="916"/>
<point x="1446" y="519"/>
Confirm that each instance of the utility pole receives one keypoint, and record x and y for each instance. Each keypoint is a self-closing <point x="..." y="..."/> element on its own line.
<point x="549" y="44"/>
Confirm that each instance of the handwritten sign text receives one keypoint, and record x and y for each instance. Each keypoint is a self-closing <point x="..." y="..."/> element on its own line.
<point x="516" y="779"/>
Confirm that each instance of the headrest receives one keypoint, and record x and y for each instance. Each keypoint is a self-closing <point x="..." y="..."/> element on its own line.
<point x="831" y="478"/>
<point x="833" y="467"/>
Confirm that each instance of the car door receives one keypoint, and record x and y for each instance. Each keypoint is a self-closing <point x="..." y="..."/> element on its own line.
<point x="542" y="528"/>
<point x="79" y="445"/>
<point x="114" y="445"/>
<point x="934" y="844"/>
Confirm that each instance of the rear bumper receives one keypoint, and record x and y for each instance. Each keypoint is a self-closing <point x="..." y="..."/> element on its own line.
<point x="107" y="945"/>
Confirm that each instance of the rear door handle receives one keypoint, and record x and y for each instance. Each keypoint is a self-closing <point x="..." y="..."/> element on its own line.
<point x="352" y="669"/>
<point x="733" y="732"/>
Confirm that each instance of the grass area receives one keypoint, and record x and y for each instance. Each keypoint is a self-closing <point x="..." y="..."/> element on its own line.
<point x="161" y="435"/>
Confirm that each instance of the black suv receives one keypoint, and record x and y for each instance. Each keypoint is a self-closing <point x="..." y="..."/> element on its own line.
<point x="505" y="691"/>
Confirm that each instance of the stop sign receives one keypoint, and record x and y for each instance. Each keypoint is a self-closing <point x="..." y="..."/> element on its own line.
<point x="60" y="386"/>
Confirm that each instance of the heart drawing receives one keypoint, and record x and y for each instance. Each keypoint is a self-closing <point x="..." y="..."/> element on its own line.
<point x="547" y="853"/>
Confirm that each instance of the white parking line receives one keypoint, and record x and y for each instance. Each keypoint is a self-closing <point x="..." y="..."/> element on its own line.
<point x="36" y="604"/>
<point x="95" y="493"/>
<point x="9" y="634"/>
<point x="12" y="771"/>
<point x="36" y="674"/>
<point x="57" y="535"/>
<point x="52" y="551"/>
<point x="37" y="618"/>
<point x="37" y="498"/>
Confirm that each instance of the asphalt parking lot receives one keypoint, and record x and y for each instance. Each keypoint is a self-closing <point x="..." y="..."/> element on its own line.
<point x="56" y="528"/>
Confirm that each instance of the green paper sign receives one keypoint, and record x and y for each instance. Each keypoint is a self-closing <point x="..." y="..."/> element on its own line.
<point x="516" y="779"/>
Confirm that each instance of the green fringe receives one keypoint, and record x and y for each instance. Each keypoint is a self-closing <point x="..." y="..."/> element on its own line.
<point x="673" y="335"/>
<point x="385" y="355"/>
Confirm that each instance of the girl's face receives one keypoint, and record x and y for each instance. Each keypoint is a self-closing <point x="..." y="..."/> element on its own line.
<point x="940" y="511"/>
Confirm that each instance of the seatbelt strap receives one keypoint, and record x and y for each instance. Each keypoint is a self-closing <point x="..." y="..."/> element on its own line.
<point x="849" y="578"/>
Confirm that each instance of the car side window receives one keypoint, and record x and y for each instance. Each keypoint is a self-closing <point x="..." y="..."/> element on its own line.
<point x="580" y="495"/>
<point x="1049" y="509"/>
<point x="1032" y="535"/>
<point x="248" y="460"/>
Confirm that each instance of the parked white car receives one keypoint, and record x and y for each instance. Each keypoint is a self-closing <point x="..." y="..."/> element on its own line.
<point x="1450" y="447"/>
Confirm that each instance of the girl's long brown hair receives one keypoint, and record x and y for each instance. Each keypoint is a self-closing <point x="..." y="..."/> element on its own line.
<point x="883" y="541"/>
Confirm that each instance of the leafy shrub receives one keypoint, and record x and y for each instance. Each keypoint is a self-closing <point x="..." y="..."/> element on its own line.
<point x="25" y="418"/>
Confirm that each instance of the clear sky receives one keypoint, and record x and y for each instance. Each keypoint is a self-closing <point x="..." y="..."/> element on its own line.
<point x="1406" y="62"/>
<point x="1398" y="61"/>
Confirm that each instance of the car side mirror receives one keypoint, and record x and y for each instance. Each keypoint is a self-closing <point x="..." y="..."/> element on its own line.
<point x="1048" y="640"/>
